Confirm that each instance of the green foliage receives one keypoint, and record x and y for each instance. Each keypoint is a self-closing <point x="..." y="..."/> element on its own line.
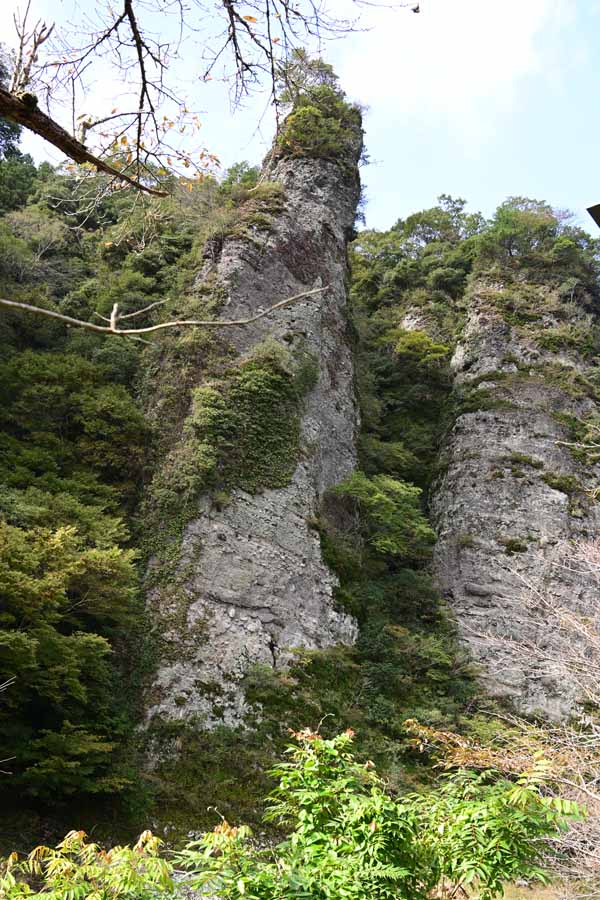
<point x="322" y="124"/>
<point x="404" y="386"/>
<point x="394" y="522"/>
<point x="472" y="396"/>
<point x="422" y="261"/>
<point x="582" y="338"/>
<point x="521" y="228"/>
<point x="10" y="132"/>
<point x="485" y="832"/>
<point x="252" y="418"/>
<point x="301" y="73"/>
<point x="63" y="601"/>
<point x="513" y="545"/>
<point x="566" y="484"/>
<point x="244" y="209"/>
<point x="347" y="838"/>
<point x="77" y="869"/>
<point x="63" y="418"/>
<point x="74" y="448"/>
<point x="242" y="431"/>
<point x="583" y="436"/>
<point x="523" y="459"/>
<point x="405" y="662"/>
<point x="406" y="657"/>
<point x="408" y="308"/>
<point x="529" y="234"/>
<point x="417" y="350"/>
<point x="321" y="128"/>
<point x="17" y="178"/>
<point x="403" y="373"/>
<point x="71" y="451"/>
<point x="239" y="177"/>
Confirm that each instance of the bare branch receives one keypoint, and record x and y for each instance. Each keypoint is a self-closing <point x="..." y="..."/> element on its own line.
<point x="113" y="328"/>
<point x="29" y="45"/>
<point x="35" y="120"/>
<point x="63" y="62"/>
<point x="8" y="759"/>
<point x="140" y="312"/>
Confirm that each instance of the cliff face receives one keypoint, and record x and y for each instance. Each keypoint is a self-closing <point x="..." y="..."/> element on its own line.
<point x="253" y="583"/>
<point x="513" y="491"/>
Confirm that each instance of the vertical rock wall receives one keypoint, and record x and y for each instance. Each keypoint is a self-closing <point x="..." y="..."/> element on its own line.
<point x="512" y="494"/>
<point x="256" y="585"/>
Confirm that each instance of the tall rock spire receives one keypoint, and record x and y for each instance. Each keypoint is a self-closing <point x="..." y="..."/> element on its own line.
<point x="252" y="583"/>
<point x="514" y="496"/>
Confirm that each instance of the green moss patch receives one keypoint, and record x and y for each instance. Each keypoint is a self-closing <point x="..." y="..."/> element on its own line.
<point x="243" y="430"/>
<point x="566" y="484"/>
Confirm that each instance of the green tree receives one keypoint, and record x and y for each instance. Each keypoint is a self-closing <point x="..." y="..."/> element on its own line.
<point x="17" y="170"/>
<point x="301" y="74"/>
<point x="63" y="600"/>
<point x="321" y="122"/>
<point x="17" y="179"/>
<point x="393" y="519"/>
<point x="529" y="234"/>
<point x="70" y="452"/>
<point x="323" y="125"/>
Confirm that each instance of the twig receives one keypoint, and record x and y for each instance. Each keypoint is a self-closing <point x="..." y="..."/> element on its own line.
<point x="8" y="759"/>
<point x="113" y="328"/>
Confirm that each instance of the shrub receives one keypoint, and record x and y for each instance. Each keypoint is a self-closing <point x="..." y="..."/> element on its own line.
<point x="346" y="839"/>
<point x="321" y="125"/>
<point x="77" y="870"/>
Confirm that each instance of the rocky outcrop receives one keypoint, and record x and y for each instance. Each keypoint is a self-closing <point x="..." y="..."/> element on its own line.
<point x="255" y="585"/>
<point x="513" y="494"/>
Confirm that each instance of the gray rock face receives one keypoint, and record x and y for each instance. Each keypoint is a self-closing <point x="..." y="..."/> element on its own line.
<point x="256" y="585"/>
<point x="511" y="499"/>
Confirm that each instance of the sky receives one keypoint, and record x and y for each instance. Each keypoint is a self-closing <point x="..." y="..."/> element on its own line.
<point x="480" y="99"/>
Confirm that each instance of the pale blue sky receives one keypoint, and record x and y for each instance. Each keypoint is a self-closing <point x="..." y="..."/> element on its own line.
<point x="477" y="98"/>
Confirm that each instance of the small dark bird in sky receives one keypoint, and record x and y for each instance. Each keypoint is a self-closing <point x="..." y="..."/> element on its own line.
<point x="417" y="8"/>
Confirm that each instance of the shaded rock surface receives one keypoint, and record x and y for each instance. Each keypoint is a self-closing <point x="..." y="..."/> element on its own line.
<point x="256" y="586"/>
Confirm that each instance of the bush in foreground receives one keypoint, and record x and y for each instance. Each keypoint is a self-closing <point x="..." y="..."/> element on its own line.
<point x="346" y="839"/>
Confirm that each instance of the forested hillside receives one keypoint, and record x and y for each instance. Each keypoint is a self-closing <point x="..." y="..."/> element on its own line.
<point x="76" y="450"/>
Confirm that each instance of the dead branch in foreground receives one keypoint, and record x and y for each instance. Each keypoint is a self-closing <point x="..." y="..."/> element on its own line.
<point x="30" y="116"/>
<point x="115" y="317"/>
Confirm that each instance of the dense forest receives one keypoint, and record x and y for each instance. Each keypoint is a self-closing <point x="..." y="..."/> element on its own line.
<point x="88" y="478"/>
